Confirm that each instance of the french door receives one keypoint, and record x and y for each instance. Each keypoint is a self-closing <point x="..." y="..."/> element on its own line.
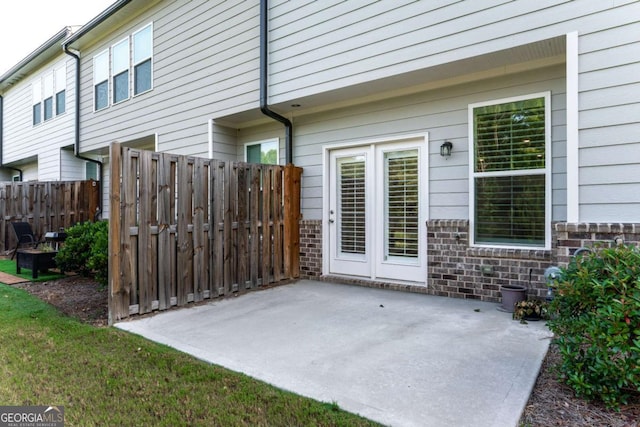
<point x="377" y="211"/>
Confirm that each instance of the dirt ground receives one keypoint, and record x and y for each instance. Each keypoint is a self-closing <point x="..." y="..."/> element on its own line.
<point x="79" y="297"/>
<point x="551" y="403"/>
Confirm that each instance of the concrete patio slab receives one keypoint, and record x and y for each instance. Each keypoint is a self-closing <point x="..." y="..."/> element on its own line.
<point x="397" y="358"/>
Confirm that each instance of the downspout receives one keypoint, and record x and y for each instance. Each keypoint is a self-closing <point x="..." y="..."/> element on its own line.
<point x="264" y="73"/>
<point x="2" y="138"/>
<point x="76" y="145"/>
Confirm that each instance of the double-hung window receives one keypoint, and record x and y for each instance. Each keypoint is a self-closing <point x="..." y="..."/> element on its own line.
<point x="101" y="80"/>
<point x="142" y="58"/>
<point x="510" y="172"/>
<point x="120" y="70"/>
<point x="48" y="96"/>
<point x="36" y="89"/>
<point x="60" y="87"/>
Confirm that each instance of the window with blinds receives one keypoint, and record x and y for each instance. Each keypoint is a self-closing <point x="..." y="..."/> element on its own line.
<point x="509" y="173"/>
<point x="351" y="205"/>
<point x="401" y="207"/>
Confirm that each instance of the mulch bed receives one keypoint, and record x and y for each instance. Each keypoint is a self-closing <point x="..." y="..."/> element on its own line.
<point x="75" y="296"/>
<point x="551" y="403"/>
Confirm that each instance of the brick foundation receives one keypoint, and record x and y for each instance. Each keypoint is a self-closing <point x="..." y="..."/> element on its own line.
<point x="573" y="236"/>
<point x="311" y="248"/>
<point x="459" y="271"/>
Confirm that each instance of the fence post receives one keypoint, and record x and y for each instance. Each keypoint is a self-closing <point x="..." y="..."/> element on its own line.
<point x="118" y="299"/>
<point x="292" y="221"/>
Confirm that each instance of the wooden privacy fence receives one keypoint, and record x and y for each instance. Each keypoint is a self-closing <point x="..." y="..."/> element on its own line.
<point x="184" y="229"/>
<point x="47" y="206"/>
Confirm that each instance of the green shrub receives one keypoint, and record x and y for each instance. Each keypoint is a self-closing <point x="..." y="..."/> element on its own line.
<point x="596" y="321"/>
<point x="85" y="250"/>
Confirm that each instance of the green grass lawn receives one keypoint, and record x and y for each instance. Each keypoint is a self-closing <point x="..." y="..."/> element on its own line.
<point x="9" y="266"/>
<point x="107" y="377"/>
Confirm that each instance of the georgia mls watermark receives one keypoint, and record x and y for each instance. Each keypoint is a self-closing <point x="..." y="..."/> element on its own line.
<point x="31" y="416"/>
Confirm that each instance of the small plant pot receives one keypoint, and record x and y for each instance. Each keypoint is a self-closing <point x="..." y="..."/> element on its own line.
<point x="512" y="294"/>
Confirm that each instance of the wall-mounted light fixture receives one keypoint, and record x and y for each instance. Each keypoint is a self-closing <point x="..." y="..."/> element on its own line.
<point x="445" y="149"/>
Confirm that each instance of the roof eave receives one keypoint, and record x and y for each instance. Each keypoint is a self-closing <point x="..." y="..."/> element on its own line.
<point x="34" y="59"/>
<point x="108" y="12"/>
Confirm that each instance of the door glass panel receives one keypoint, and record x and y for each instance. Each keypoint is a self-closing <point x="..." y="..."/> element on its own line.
<point x="401" y="204"/>
<point x="351" y="205"/>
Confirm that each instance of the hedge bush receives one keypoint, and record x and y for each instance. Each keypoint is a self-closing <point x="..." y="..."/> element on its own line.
<point x="596" y="322"/>
<point x="85" y="250"/>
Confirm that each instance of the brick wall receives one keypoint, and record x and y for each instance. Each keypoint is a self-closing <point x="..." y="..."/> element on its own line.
<point x="573" y="236"/>
<point x="311" y="248"/>
<point x="459" y="271"/>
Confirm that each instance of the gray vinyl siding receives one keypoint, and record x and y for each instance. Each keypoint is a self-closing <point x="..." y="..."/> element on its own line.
<point x="318" y="47"/>
<point x="224" y="142"/>
<point x="205" y="61"/>
<point x="29" y="172"/>
<point x="72" y="168"/>
<point x="49" y="164"/>
<point x="443" y="114"/>
<point x="24" y="141"/>
<point x="610" y="124"/>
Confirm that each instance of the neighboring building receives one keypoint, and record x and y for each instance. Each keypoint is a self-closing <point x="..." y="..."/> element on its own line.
<point x="37" y="132"/>
<point x="537" y="102"/>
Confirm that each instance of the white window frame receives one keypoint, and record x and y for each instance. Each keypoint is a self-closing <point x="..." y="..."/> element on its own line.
<point x="97" y="82"/>
<point x="547" y="170"/>
<point x="60" y="84"/>
<point x="36" y="99"/>
<point x="113" y="72"/>
<point x="264" y="141"/>
<point x="135" y="63"/>
<point x="48" y="93"/>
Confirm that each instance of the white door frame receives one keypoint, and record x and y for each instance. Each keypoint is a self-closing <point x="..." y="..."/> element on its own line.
<point x="424" y="200"/>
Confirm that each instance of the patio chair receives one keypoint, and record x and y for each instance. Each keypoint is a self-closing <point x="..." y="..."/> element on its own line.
<point x="24" y="236"/>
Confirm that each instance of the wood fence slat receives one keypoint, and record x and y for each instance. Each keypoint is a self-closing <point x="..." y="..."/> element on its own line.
<point x="145" y="258"/>
<point x="227" y="231"/>
<point x="185" y="244"/>
<point x="173" y="221"/>
<point x="215" y="232"/>
<point x="291" y="221"/>
<point x="254" y="211"/>
<point x="118" y="301"/>
<point x="267" y="217"/>
<point x="242" y="235"/>
<point x="277" y="226"/>
<point x="199" y="264"/>
<point x="164" y="234"/>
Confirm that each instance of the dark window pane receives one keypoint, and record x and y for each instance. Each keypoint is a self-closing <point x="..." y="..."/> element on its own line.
<point x="60" y="102"/>
<point x="253" y="153"/>
<point x="37" y="114"/>
<point x="121" y="87"/>
<point x="91" y="171"/>
<point x="48" y="108"/>
<point x="142" y="76"/>
<point x="102" y="95"/>
<point x="510" y="210"/>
